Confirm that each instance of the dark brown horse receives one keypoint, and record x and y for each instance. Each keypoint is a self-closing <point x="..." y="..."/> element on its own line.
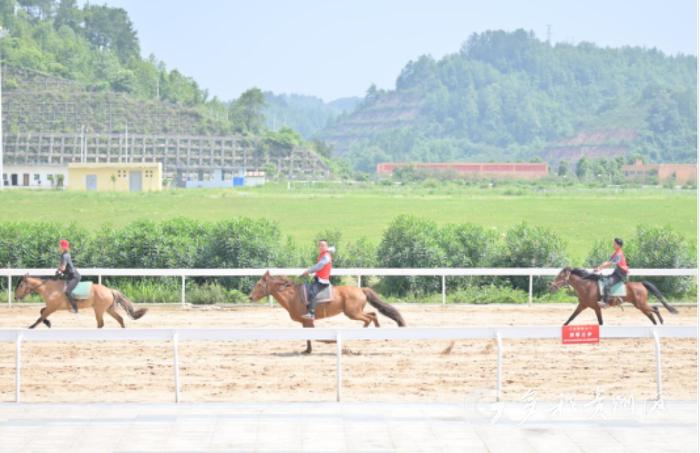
<point x="586" y="286"/>
<point x="101" y="299"/>
<point x="350" y="300"/>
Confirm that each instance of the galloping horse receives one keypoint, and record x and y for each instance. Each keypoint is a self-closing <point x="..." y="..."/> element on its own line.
<point x="347" y="299"/>
<point x="101" y="299"/>
<point x="586" y="286"/>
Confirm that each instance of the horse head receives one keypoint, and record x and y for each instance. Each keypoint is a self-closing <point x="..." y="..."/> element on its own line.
<point x="262" y="288"/>
<point x="268" y="285"/>
<point x="561" y="280"/>
<point x="23" y="288"/>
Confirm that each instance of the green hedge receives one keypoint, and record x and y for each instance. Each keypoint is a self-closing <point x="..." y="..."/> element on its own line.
<point x="246" y="243"/>
<point x="656" y="248"/>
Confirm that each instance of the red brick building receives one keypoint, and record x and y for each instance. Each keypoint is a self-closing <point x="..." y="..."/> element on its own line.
<point x="663" y="172"/>
<point x="496" y="170"/>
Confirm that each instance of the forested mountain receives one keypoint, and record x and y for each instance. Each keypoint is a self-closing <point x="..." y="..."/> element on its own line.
<point x="98" y="48"/>
<point x="305" y="114"/>
<point x="508" y="95"/>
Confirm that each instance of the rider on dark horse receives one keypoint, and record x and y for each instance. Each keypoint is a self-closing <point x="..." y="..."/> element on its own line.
<point x="322" y="277"/>
<point x="67" y="270"/>
<point x="617" y="259"/>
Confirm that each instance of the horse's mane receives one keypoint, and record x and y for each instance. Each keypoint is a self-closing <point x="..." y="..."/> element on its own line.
<point x="584" y="274"/>
<point x="43" y="279"/>
<point x="283" y="279"/>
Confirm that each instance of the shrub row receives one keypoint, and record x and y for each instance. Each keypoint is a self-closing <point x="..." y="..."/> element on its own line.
<point x="407" y="242"/>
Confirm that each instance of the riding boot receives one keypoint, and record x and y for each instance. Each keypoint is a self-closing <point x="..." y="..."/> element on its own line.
<point x="311" y="313"/>
<point x="73" y="303"/>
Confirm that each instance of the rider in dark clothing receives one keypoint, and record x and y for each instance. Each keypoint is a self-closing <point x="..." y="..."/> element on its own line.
<point x="618" y="260"/>
<point x="69" y="272"/>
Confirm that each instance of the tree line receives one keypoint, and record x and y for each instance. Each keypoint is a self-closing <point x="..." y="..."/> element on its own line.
<point x="508" y="95"/>
<point x="407" y="242"/>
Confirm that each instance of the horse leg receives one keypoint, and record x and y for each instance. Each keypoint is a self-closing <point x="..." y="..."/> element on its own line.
<point x="578" y="310"/>
<point x="374" y="317"/>
<point x="598" y="314"/>
<point x="113" y="313"/>
<point x="360" y="317"/>
<point x="44" y="313"/>
<point x="99" y="316"/>
<point x="658" y="314"/>
<point x="308" y="324"/>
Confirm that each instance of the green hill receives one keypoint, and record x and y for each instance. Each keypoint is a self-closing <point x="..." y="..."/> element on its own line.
<point x="75" y="73"/>
<point x="511" y="96"/>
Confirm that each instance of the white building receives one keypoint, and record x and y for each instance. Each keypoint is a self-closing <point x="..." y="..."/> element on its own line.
<point x="35" y="176"/>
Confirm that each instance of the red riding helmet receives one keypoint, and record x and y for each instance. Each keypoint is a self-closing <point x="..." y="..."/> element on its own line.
<point x="64" y="244"/>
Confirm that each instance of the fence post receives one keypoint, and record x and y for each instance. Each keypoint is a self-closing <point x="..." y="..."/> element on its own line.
<point x="657" y="344"/>
<point x="99" y="279"/>
<point x="18" y="367"/>
<point x="182" y="291"/>
<point x="338" y="365"/>
<point x="444" y="295"/>
<point x="176" y="368"/>
<point x="9" y="290"/>
<point x="359" y="281"/>
<point x="529" y="293"/>
<point x="499" y="364"/>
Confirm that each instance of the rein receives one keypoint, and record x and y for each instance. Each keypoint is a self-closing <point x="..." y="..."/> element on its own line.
<point x="31" y="290"/>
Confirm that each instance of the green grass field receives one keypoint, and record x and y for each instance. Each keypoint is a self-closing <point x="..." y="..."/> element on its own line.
<point x="580" y="216"/>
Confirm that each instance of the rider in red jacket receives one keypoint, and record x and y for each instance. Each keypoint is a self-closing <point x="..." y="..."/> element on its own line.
<point x="618" y="260"/>
<point x="322" y="276"/>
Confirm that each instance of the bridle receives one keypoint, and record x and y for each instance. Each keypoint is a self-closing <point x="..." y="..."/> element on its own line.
<point x="31" y="289"/>
<point x="283" y="285"/>
<point x="559" y="284"/>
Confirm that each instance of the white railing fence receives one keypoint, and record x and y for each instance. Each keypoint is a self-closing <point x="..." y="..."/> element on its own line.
<point x="347" y="272"/>
<point x="176" y="336"/>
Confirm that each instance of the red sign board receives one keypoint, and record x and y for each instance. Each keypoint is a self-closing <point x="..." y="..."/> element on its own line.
<point x="580" y="334"/>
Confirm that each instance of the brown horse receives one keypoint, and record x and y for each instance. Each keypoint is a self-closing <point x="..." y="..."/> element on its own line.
<point x="586" y="286"/>
<point x="347" y="299"/>
<point x="101" y="299"/>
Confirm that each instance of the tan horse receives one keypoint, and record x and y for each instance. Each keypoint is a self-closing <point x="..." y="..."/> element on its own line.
<point x="101" y="299"/>
<point x="350" y="300"/>
<point x="586" y="286"/>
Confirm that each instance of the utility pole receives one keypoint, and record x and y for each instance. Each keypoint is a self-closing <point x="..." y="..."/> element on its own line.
<point x="549" y="34"/>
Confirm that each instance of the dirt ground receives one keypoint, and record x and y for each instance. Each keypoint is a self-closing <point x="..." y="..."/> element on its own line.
<point x="250" y="371"/>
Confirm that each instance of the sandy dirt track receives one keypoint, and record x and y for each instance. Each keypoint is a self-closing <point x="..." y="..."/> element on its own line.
<point x="251" y="371"/>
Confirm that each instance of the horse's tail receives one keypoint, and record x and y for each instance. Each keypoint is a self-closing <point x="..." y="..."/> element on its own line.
<point x="384" y="308"/>
<point x="128" y="306"/>
<point x="655" y="291"/>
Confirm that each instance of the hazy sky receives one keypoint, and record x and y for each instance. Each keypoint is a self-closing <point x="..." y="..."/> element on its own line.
<point x="334" y="49"/>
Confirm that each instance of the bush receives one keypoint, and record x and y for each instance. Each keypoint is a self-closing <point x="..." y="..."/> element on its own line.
<point x="527" y="246"/>
<point x="488" y="294"/>
<point x="410" y="242"/>
<point x="467" y="245"/>
<point x="212" y="293"/>
<point x="655" y="248"/>
<point x="661" y="247"/>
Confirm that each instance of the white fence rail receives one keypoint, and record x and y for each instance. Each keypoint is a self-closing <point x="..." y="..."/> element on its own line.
<point x="177" y="336"/>
<point x="346" y="272"/>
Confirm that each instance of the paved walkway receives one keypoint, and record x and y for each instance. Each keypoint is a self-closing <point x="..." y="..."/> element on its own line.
<point x="529" y="426"/>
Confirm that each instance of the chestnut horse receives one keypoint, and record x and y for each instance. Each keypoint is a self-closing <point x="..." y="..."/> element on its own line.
<point x="586" y="286"/>
<point x="350" y="300"/>
<point x="101" y="299"/>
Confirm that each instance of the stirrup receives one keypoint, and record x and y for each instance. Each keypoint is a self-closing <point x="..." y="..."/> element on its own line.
<point x="308" y="316"/>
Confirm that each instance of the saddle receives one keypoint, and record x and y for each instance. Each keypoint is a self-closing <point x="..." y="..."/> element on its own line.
<point x="323" y="296"/>
<point x="619" y="289"/>
<point x="83" y="290"/>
